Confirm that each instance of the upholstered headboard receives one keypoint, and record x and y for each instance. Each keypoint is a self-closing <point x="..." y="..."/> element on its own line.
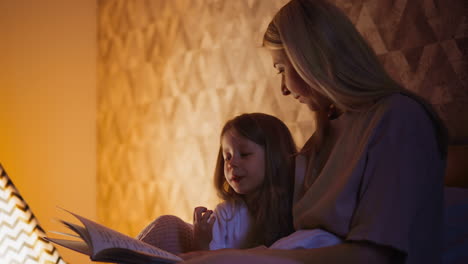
<point x="457" y="166"/>
<point x="456" y="206"/>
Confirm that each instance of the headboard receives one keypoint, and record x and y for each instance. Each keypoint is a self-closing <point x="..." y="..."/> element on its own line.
<point x="456" y="174"/>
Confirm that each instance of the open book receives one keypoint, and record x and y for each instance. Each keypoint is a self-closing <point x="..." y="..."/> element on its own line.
<point x="106" y="245"/>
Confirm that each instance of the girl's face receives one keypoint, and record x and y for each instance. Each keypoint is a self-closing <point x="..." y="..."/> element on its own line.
<point x="292" y="83"/>
<point x="244" y="162"/>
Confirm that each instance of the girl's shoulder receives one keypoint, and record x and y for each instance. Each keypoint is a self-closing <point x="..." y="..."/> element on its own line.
<point x="229" y="209"/>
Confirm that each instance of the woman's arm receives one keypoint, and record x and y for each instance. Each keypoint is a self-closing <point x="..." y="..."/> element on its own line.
<point x="356" y="252"/>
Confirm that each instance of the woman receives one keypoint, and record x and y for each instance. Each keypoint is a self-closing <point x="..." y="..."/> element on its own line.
<point x="374" y="167"/>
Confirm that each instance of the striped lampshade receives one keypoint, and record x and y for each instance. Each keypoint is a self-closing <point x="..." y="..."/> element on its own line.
<point x="20" y="233"/>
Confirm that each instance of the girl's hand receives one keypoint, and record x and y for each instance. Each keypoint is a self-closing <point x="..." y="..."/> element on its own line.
<point x="203" y="222"/>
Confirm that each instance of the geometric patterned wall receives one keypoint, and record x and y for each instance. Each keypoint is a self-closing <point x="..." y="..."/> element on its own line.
<point x="20" y="233"/>
<point x="171" y="72"/>
<point x="423" y="45"/>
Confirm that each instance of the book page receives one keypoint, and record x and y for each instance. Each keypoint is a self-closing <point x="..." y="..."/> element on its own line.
<point x="81" y="231"/>
<point x="65" y="234"/>
<point x="79" y="246"/>
<point x="104" y="238"/>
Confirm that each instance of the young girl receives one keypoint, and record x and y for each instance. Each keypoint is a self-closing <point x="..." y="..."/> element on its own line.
<point x="254" y="177"/>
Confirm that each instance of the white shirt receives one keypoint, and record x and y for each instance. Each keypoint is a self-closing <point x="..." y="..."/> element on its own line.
<point x="231" y="226"/>
<point x="233" y="222"/>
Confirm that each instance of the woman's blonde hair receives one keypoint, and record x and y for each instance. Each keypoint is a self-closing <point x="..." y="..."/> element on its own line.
<point x="333" y="58"/>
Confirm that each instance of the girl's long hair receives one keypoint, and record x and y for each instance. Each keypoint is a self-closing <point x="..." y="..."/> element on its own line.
<point x="271" y="206"/>
<point x="333" y="58"/>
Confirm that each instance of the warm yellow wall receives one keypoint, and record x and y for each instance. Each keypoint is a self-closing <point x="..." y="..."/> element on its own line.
<point x="170" y="74"/>
<point x="48" y="106"/>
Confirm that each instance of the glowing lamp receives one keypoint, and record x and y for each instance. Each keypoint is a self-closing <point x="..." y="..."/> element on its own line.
<point x="20" y="234"/>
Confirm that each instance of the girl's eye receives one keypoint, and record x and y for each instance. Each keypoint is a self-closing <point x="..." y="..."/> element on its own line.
<point x="280" y="71"/>
<point x="227" y="158"/>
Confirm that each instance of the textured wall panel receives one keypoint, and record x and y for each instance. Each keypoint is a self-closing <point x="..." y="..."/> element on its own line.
<point x="171" y="72"/>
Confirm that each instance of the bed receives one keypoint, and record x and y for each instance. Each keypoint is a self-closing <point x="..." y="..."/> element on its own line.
<point x="456" y="206"/>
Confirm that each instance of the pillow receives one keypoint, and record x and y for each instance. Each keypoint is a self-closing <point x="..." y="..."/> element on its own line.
<point x="455" y="226"/>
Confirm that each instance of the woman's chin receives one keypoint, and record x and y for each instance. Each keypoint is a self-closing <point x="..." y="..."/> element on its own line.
<point x="312" y="107"/>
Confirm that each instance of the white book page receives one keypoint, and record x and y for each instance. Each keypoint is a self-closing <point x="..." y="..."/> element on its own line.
<point x="104" y="238"/>
<point x="81" y="231"/>
<point x="65" y="234"/>
<point x="79" y="246"/>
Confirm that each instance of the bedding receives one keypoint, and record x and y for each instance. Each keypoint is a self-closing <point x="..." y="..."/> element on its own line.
<point x="312" y="238"/>
<point x="455" y="226"/>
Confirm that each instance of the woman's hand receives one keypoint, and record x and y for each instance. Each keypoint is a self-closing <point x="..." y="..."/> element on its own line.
<point x="203" y="221"/>
<point x="197" y="254"/>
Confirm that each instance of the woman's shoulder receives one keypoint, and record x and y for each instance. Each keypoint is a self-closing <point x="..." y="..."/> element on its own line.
<point x="403" y="103"/>
<point x="403" y="108"/>
<point x="395" y="107"/>
<point x="407" y="115"/>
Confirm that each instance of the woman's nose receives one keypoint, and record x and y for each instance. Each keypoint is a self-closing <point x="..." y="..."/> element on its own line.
<point x="284" y="89"/>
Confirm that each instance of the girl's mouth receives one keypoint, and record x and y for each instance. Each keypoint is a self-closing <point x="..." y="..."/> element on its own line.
<point x="237" y="178"/>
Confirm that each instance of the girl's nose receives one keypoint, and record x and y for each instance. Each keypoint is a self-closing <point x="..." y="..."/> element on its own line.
<point x="233" y="162"/>
<point x="284" y="89"/>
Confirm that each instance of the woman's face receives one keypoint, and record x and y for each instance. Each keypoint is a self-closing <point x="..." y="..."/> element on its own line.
<point x="292" y="83"/>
